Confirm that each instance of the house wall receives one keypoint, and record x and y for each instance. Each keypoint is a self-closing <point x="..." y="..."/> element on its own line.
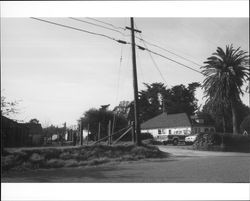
<point x="167" y="131"/>
<point x="198" y="129"/>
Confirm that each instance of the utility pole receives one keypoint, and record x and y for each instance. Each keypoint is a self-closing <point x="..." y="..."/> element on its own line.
<point x="136" y="105"/>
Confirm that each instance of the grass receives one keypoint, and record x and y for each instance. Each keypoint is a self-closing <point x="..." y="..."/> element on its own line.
<point x="77" y="156"/>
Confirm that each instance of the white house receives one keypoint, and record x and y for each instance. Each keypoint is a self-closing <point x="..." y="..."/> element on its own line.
<point x="167" y="124"/>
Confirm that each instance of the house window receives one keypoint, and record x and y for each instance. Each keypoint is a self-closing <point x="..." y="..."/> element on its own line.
<point x="159" y="131"/>
<point x="169" y="132"/>
<point x="206" y="129"/>
<point x="211" y="129"/>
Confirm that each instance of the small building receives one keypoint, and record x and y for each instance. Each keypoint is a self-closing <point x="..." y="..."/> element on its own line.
<point x="14" y="134"/>
<point x="202" y="122"/>
<point x="179" y="123"/>
<point x="35" y="133"/>
<point x="167" y="124"/>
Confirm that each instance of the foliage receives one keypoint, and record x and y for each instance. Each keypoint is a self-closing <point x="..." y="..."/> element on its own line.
<point x="242" y="111"/>
<point x="50" y="130"/>
<point x="245" y="125"/>
<point x="77" y="156"/>
<point x="9" y="107"/>
<point x="222" y="142"/>
<point x="122" y="109"/>
<point x="225" y="73"/>
<point x="34" y="121"/>
<point x="157" y="98"/>
<point x="93" y="117"/>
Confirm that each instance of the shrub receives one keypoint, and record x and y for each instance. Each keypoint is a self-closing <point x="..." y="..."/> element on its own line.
<point x="54" y="163"/>
<point x="70" y="163"/>
<point x="145" y="136"/>
<point x="8" y="162"/>
<point x="222" y="142"/>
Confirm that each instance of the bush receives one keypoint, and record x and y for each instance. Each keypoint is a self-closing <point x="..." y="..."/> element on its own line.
<point x="54" y="163"/>
<point x="146" y="136"/>
<point x="8" y="162"/>
<point x="222" y="142"/>
<point x="80" y="156"/>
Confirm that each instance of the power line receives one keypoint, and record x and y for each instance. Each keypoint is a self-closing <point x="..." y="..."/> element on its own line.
<point x="141" y="39"/>
<point x="119" y="41"/>
<point x="82" y="30"/>
<point x="94" y="24"/>
<point x="116" y="27"/>
<point x="174" y="61"/>
<point x="164" y="49"/>
<point x="154" y="62"/>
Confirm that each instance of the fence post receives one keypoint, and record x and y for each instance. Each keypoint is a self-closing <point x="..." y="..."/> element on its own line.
<point x="133" y="132"/>
<point x="109" y="133"/>
<point x="99" y="131"/>
<point x="88" y="135"/>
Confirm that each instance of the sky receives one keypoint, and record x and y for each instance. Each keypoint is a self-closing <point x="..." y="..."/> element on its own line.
<point x="59" y="73"/>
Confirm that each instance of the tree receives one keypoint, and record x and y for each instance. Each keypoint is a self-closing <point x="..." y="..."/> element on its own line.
<point x="225" y="73"/>
<point x="223" y="122"/>
<point x="245" y="125"/>
<point x="93" y="117"/>
<point x="8" y="107"/>
<point x="151" y="100"/>
<point x="182" y="99"/>
<point x="34" y="121"/>
<point x="122" y="109"/>
<point x="157" y="98"/>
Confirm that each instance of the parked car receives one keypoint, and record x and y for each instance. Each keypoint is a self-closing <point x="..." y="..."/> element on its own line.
<point x="175" y="139"/>
<point x="190" y="139"/>
<point x="162" y="138"/>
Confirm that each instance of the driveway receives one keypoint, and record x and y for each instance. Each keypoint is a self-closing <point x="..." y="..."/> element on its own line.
<point x="183" y="166"/>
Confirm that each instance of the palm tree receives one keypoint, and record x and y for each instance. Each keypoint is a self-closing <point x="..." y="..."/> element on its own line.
<point x="225" y="72"/>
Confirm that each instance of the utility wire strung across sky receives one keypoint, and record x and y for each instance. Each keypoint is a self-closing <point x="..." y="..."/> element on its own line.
<point x="77" y="29"/>
<point x="120" y="41"/>
<point x="164" y="49"/>
<point x="141" y="39"/>
<point x="94" y="24"/>
<point x="154" y="62"/>
<point x="116" y="27"/>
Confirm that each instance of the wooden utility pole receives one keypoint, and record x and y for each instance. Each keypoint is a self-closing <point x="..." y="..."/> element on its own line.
<point x="136" y="105"/>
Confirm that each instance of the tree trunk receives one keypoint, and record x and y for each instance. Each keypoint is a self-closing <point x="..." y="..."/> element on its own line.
<point x="234" y="120"/>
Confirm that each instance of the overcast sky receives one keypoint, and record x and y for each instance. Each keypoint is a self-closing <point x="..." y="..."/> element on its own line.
<point x="59" y="73"/>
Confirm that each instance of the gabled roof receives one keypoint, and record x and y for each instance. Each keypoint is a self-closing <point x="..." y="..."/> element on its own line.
<point x="165" y="120"/>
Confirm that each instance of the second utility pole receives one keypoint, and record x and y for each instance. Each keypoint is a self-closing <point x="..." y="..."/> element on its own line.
<point x="136" y="105"/>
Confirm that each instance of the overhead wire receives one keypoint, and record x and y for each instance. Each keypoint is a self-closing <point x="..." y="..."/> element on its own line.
<point x="164" y="49"/>
<point x="154" y="62"/>
<point x="81" y="30"/>
<point x="119" y="41"/>
<point x="101" y="21"/>
<point x="163" y="56"/>
<point x="140" y="67"/>
<point x="94" y="24"/>
<point x="145" y="41"/>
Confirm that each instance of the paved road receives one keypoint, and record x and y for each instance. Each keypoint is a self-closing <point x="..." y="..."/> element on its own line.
<point x="184" y="166"/>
